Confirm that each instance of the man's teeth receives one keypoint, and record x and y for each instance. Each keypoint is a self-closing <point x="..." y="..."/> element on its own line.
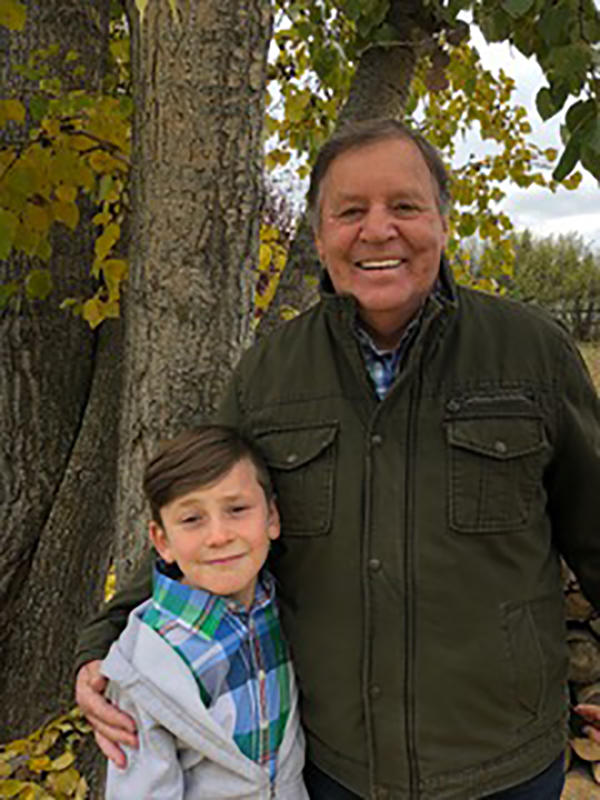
<point x="387" y="264"/>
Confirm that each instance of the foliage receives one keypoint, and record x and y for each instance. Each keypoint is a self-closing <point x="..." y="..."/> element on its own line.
<point x="72" y="145"/>
<point x="562" y="274"/>
<point x="64" y="146"/>
<point x="41" y="767"/>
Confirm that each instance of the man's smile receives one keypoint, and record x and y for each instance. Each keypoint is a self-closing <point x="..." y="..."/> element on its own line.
<point x="380" y="264"/>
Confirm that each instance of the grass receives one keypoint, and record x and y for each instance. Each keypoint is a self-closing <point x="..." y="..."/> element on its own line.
<point x="591" y="354"/>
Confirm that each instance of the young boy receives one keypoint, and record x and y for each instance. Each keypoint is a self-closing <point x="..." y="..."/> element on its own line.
<point x="202" y="666"/>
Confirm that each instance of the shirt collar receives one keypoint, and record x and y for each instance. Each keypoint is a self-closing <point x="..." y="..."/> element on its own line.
<point x="202" y="610"/>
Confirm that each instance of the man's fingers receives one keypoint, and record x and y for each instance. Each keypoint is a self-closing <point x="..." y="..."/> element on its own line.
<point x="117" y="734"/>
<point x="110" y="750"/>
<point x="590" y="712"/>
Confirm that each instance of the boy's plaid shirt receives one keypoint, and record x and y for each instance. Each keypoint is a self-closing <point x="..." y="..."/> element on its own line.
<point x="239" y="658"/>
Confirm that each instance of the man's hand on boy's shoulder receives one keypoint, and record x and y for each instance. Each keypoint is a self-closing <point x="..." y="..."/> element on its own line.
<point x="111" y="726"/>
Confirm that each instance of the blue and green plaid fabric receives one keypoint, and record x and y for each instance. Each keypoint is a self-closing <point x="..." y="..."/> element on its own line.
<point x="383" y="365"/>
<point x="239" y="658"/>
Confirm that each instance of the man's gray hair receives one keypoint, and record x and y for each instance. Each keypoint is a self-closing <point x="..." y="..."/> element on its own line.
<point x="359" y="134"/>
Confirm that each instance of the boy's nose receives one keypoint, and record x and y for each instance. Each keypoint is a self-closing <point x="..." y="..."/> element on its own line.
<point x="218" y="533"/>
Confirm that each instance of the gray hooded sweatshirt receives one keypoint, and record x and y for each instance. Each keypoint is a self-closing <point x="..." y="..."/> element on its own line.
<point x="184" y="754"/>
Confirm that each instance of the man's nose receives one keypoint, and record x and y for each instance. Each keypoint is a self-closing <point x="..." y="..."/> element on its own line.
<point x="378" y="225"/>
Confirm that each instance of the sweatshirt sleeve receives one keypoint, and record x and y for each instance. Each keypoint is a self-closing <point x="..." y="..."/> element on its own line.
<point x="153" y="770"/>
<point x="98" y="633"/>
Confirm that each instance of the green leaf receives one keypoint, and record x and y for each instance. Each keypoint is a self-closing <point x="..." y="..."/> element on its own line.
<point x="38" y="284"/>
<point x="12" y="15"/>
<point x="517" y="8"/>
<point x="554" y="24"/>
<point x="141" y="7"/>
<point x="545" y="104"/>
<point x="9" y="223"/>
<point x="38" y="106"/>
<point x="580" y="113"/>
<point x="8" y="291"/>
<point x="568" y="159"/>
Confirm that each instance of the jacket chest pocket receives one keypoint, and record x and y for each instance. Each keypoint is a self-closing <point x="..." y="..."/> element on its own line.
<point x="301" y="461"/>
<point x="495" y="472"/>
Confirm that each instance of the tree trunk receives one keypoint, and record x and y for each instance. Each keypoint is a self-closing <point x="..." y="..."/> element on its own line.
<point x="57" y="415"/>
<point x="379" y="89"/>
<point x="197" y="161"/>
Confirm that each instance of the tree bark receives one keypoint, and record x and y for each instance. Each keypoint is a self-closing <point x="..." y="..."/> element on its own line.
<point x="379" y="90"/>
<point x="57" y="415"/>
<point x="196" y="194"/>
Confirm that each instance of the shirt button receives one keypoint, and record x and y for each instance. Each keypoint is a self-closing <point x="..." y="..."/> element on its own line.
<point x="374" y="564"/>
<point x="264" y="723"/>
<point x="453" y="405"/>
<point x="375" y="691"/>
<point x="261" y="674"/>
<point x="500" y="447"/>
<point x="376" y="439"/>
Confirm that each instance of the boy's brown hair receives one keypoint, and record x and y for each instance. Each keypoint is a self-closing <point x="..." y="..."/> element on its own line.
<point x="197" y="458"/>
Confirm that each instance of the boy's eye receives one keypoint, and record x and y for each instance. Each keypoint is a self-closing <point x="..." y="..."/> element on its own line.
<point x="191" y="519"/>
<point x="238" y="509"/>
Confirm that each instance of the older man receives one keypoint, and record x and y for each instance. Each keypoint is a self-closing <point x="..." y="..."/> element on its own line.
<point x="434" y="449"/>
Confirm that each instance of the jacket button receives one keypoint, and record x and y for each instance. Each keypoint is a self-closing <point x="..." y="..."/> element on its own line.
<point x="374" y="564"/>
<point x="376" y="439"/>
<point x="375" y="691"/>
<point x="291" y="458"/>
<point x="500" y="447"/>
<point x="453" y="406"/>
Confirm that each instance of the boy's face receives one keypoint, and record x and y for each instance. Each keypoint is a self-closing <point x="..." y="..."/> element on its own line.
<point x="219" y="534"/>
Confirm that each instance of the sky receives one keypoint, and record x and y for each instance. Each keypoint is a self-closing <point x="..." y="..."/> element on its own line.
<point x="541" y="211"/>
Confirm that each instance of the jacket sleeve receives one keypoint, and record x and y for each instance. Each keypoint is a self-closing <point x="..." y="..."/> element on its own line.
<point x="97" y="635"/>
<point x="573" y="483"/>
<point x="153" y="770"/>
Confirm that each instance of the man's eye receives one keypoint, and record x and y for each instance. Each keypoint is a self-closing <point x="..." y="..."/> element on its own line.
<point x="405" y="209"/>
<point x="238" y="509"/>
<point x="348" y="213"/>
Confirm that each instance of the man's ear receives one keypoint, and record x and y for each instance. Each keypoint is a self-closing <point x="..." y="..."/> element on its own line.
<point x="273" y="523"/>
<point x="160" y="540"/>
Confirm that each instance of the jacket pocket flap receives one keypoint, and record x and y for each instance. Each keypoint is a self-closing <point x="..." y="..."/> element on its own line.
<point x="290" y="448"/>
<point x="500" y="438"/>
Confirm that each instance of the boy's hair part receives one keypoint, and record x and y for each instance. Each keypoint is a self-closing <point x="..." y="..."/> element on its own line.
<point x="197" y="458"/>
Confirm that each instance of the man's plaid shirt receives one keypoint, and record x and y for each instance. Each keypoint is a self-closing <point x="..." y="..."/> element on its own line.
<point x="384" y="365"/>
<point x="239" y="658"/>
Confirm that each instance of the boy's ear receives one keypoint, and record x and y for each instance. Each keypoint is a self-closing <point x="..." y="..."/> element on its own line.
<point x="159" y="539"/>
<point x="273" y="523"/>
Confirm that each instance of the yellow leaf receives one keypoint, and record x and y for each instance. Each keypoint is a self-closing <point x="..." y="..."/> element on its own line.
<point x="114" y="269"/>
<point x="66" y="212"/>
<point x="52" y="127"/>
<point x="37" y="217"/>
<point x="92" y="313"/>
<point x="106" y="240"/>
<point x="12" y="16"/>
<point x="66" y="193"/>
<point x="102" y="162"/>
<point x="11" y="110"/>
<point x="42" y="763"/>
<point x="81" y="792"/>
<point x="5" y="770"/>
<point x="141" y="7"/>
<point x="102" y="218"/>
<point x="264" y="258"/>
<point x="11" y="788"/>
<point x="65" y="782"/>
<point x="63" y="761"/>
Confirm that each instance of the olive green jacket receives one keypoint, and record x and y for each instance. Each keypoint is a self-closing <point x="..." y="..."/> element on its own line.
<point x="418" y="569"/>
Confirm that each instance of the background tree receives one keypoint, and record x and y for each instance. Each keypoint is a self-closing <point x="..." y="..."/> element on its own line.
<point x="562" y="274"/>
<point x="57" y="436"/>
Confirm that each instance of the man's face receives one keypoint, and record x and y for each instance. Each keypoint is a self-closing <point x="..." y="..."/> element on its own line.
<point x="381" y="234"/>
<point x="219" y="534"/>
